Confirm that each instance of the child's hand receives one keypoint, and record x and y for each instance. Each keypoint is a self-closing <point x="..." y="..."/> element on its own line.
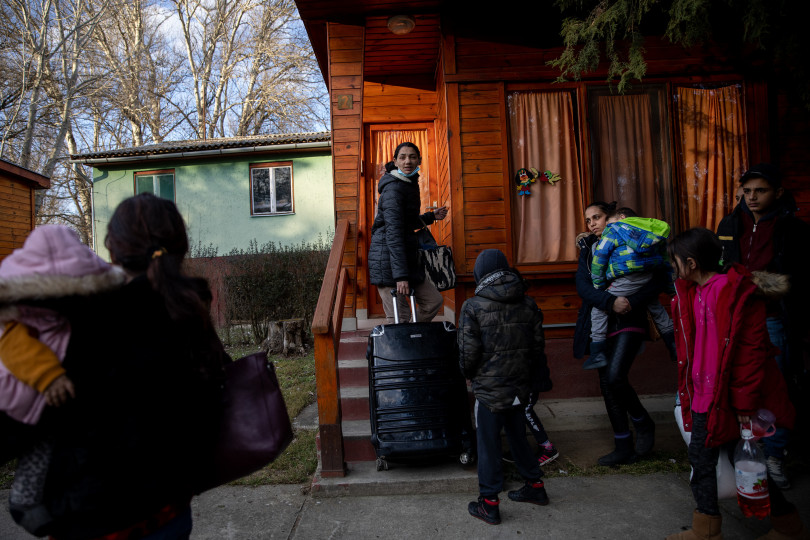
<point x="743" y="419"/>
<point x="59" y="391"/>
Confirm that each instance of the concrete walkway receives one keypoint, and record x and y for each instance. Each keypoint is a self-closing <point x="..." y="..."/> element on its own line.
<point x="431" y="501"/>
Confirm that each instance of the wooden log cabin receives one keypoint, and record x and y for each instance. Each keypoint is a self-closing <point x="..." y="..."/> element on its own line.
<point x="474" y="90"/>
<point x="17" y="204"/>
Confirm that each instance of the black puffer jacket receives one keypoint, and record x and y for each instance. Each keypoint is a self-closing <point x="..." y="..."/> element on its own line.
<point x="501" y="342"/>
<point x="392" y="254"/>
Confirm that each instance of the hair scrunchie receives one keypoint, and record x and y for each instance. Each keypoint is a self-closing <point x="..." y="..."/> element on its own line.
<point x="158" y="252"/>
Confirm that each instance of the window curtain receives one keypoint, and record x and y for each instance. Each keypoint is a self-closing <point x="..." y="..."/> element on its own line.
<point x="712" y="137"/>
<point x="385" y="142"/>
<point x="629" y="167"/>
<point x="543" y="136"/>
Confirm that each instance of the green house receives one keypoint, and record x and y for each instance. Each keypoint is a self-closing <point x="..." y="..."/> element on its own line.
<point x="230" y="191"/>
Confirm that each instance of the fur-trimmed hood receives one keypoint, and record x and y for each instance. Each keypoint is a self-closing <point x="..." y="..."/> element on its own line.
<point x="53" y="263"/>
<point x="770" y="285"/>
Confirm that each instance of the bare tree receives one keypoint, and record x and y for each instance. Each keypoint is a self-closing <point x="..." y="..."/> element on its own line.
<point x="251" y="67"/>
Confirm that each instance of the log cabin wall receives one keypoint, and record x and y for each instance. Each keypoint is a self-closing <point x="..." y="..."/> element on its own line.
<point x="346" y="95"/>
<point x="16" y="214"/>
<point x="17" y="204"/>
<point x="477" y="75"/>
<point x="792" y="126"/>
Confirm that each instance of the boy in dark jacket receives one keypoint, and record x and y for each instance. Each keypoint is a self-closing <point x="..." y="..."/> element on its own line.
<point x="501" y="349"/>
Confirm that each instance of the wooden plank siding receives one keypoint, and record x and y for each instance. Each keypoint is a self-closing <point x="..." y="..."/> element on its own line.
<point x="485" y="214"/>
<point x="346" y="43"/>
<point x="16" y="214"/>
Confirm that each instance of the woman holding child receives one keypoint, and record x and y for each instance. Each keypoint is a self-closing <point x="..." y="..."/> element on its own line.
<point x="146" y="367"/>
<point x="627" y="330"/>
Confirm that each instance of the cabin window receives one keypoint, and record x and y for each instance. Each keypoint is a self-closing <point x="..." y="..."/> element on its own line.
<point x="548" y="203"/>
<point x="634" y="162"/>
<point x="712" y="152"/>
<point x="160" y="183"/>
<point x="630" y="150"/>
<point x="271" y="189"/>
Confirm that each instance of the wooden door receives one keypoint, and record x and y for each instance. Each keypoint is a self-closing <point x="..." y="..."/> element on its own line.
<point x="381" y="140"/>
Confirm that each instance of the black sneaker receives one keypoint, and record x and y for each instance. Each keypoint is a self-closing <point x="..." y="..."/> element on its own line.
<point x="530" y="494"/>
<point x="486" y="510"/>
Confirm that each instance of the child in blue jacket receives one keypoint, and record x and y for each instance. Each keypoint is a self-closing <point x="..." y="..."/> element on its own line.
<point x="630" y="249"/>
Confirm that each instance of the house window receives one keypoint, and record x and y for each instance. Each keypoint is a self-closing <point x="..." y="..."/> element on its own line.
<point x="687" y="182"/>
<point x="160" y="183"/>
<point x="543" y="137"/>
<point x="271" y="188"/>
<point x="630" y="150"/>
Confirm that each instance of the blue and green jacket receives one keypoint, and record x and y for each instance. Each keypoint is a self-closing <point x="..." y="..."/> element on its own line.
<point x="631" y="245"/>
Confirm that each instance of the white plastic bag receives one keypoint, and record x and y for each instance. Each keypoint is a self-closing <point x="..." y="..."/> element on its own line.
<point x="726" y="485"/>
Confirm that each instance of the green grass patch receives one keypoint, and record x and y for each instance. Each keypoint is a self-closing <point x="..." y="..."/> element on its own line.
<point x="295" y="466"/>
<point x="657" y="462"/>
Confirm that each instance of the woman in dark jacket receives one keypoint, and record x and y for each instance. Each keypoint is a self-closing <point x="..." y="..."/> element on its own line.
<point x="393" y="263"/>
<point x="147" y="368"/>
<point x="627" y="330"/>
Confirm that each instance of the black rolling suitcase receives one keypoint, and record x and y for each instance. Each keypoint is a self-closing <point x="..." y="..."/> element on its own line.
<point x="418" y="401"/>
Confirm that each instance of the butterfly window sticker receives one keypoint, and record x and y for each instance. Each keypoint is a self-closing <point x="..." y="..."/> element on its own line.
<point x="524" y="178"/>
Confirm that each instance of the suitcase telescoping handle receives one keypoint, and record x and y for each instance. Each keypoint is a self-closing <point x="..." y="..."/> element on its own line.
<point x="396" y="309"/>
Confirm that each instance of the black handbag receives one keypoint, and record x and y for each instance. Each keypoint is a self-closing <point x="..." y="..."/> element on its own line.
<point x="437" y="260"/>
<point x="254" y="428"/>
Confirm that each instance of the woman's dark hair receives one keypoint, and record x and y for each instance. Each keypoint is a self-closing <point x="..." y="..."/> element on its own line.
<point x="608" y="208"/>
<point x="701" y="245"/>
<point x="391" y="165"/>
<point x="146" y="234"/>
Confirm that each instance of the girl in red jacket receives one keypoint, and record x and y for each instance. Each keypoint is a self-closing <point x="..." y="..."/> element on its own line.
<point x="726" y="370"/>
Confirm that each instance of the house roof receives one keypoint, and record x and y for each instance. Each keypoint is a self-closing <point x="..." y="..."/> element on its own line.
<point x="209" y="147"/>
<point x="21" y="174"/>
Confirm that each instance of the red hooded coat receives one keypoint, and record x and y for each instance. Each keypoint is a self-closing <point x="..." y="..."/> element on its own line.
<point x="749" y="377"/>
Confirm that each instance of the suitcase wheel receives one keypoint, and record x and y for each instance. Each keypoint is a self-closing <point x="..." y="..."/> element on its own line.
<point x="382" y="464"/>
<point x="466" y="458"/>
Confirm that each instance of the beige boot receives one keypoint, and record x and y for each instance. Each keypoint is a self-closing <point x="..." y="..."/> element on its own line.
<point x="704" y="527"/>
<point x="787" y="527"/>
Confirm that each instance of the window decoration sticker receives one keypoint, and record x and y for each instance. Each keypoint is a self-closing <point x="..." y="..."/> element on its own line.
<point x="524" y="178"/>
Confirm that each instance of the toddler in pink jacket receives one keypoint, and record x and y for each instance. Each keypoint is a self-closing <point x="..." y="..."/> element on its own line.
<point x="52" y="263"/>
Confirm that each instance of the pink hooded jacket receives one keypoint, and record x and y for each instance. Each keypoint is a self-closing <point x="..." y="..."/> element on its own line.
<point x="52" y="263"/>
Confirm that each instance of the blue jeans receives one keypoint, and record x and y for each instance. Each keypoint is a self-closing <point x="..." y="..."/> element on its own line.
<point x="775" y="444"/>
<point x="490" y="468"/>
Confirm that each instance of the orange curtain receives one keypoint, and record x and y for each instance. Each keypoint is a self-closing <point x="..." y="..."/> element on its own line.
<point x="385" y="142"/>
<point x="629" y="163"/>
<point x="543" y="137"/>
<point x="712" y="136"/>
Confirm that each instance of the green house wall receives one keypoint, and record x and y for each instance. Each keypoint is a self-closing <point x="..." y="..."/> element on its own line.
<point x="213" y="195"/>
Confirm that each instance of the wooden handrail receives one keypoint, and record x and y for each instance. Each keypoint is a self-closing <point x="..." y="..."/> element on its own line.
<point x="326" y="299"/>
<point x="326" y="326"/>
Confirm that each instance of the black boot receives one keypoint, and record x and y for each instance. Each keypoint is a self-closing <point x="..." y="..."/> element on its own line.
<point x="669" y="341"/>
<point x="645" y="435"/>
<point x="622" y="455"/>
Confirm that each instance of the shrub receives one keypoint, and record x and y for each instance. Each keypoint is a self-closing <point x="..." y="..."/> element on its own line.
<point x="264" y="283"/>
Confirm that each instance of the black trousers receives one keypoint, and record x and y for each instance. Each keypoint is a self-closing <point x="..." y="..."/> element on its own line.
<point x="620" y="397"/>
